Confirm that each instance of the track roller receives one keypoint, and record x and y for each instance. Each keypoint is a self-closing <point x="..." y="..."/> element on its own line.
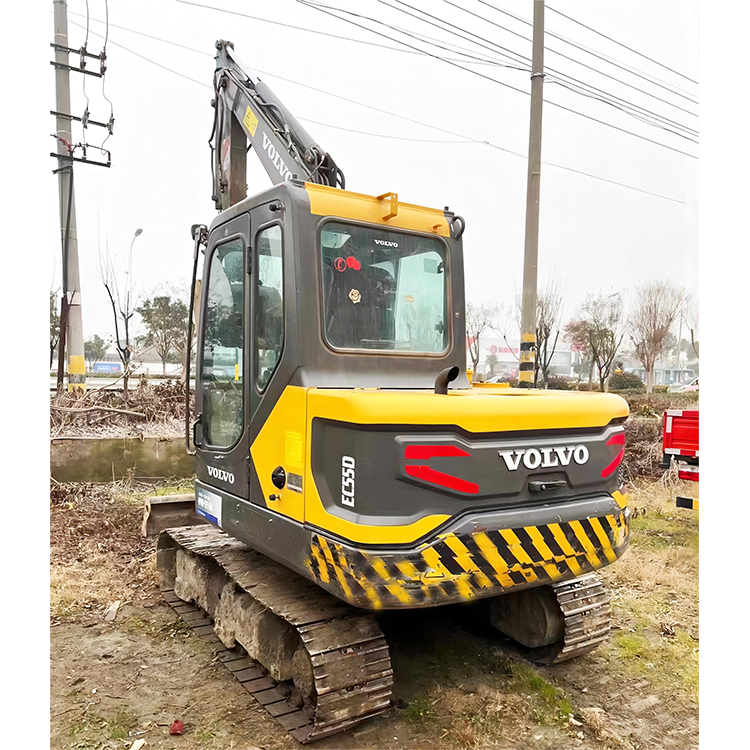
<point x="557" y="622"/>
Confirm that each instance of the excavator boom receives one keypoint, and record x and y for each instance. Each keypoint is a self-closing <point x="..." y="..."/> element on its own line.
<point x="249" y="115"/>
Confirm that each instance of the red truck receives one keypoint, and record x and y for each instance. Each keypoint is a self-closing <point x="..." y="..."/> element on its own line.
<point x="681" y="442"/>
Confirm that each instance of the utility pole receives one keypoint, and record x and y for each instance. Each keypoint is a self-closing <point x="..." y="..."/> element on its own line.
<point x="71" y="277"/>
<point x="531" y="247"/>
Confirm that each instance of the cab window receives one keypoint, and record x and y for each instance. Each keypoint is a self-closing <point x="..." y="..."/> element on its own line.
<point x="269" y="304"/>
<point x="383" y="290"/>
<point x="223" y="351"/>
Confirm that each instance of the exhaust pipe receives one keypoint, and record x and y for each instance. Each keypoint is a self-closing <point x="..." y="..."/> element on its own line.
<point x="448" y="375"/>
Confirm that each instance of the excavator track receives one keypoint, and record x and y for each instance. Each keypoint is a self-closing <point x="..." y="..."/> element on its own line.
<point x="587" y="614"/>
<point x="351" y="674"/>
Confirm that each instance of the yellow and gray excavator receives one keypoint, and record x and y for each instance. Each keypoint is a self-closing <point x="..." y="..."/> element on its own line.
<point x="344" y="462"/>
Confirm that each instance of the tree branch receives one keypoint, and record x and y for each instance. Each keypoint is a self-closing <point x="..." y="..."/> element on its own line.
<point x="70" y="410"/>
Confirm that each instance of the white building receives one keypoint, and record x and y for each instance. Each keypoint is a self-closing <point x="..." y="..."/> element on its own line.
<point x="504" y="357"/>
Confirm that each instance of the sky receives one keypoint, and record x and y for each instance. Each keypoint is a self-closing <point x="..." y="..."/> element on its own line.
<point x="594" y="235"/>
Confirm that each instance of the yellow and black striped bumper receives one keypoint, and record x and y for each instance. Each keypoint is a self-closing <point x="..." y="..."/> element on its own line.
<point x="461" y="567"/>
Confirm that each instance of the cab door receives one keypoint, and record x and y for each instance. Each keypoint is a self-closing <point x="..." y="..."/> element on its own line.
<point x="271" y="427"/>
<point x="224" y="361"/>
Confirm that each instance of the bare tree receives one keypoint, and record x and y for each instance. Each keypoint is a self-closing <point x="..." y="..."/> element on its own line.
<point x="549" y="308"/>
<point x="54" y="324"/>
<point x="577" y="334"/>
<point x="691" y="318"/>
<point x="650" y="323"/>
<point x="603" y="317"/>
<point x="508" y="322"/>
<point x="123" y="302"/>
<point x="194" y="338"/>
<point x="479" y="317"/>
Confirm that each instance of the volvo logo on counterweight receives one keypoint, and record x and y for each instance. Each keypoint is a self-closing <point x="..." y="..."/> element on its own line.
<point x="545" y="458"/>
<point x="225" y="476"/>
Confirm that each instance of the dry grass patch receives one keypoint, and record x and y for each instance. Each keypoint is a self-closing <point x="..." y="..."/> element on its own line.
<point x="500" y="710"/>
<point x="594" y="718"/>
<point x="92" y="585"/>
<point x="97" y="552"/>
<point x="478" y="718"/>
<point x="655" y="592"/>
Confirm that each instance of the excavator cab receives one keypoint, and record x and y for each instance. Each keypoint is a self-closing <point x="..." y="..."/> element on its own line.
<point x="308" y="286"/>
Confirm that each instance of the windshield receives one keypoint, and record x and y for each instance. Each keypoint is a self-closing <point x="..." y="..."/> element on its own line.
<point x="383" y="290"/>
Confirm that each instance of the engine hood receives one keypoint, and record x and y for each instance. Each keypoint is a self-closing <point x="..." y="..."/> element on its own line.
<point x="485" y="410"/>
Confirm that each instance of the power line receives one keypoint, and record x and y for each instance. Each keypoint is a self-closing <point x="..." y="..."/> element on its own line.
<point x="326" y="10"/>
<point x="148" y="36"/>
<point x="650" y="59"/>
<point x="396" y="49"/>
<point x="605" y="58"/>
<point x="582" y="92"/>
<point x="584" y="47"/>
<point x="485" y="59"/>
<point x="382" y="111"/>
<point x="567" y="57"/>
<point x="639" y="111"/>
<point x="205" y="85"/>
<point x="466" y="53"/>
<point x="302" y="28"/>
<point x="628" y="105"/>
<point x="143" y="57"/>
<point x="381" y="135"/>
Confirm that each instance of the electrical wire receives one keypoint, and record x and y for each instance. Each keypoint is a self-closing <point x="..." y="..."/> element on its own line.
<point x="500" y="26"/>
<point x="84" y="119"/>
<point x="153" y="62"/>
<point x="583" y="46"/>
<point x="607" y="96"/>
<point x="85" y="44"/>
<point x="380" y="135"/>
<point x="485" y="60"/>
<point x="650" y="59"/>
<point x="604" y="58"/>
<point x="622" y="109"/>
<point x="104" y="58"/>
<point x="106" y="15"/>
<point x="305" y="29"/>
<point x="398" y="116"/>
<point x="327" y="9"/>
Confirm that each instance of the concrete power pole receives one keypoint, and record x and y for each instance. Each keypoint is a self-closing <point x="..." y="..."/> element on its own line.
<point x="531" y="247"/>
<point x="71" y="276"/>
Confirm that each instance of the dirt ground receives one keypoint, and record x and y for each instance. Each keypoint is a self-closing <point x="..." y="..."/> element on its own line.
<point x="458" y="685"/>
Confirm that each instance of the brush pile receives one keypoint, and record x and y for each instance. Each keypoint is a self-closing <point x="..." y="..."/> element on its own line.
<point x="643" y="430"/>
<point x="643" y="448"/>
<point x="152" y="410"/>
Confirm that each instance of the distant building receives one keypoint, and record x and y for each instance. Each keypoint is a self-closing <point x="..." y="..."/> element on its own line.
<point x="498" y="359"/>
<point x="665" y="373"/>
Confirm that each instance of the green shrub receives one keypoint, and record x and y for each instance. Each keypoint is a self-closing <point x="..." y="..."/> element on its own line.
<point x="626" y="381"/>
<point x="558" y="383"/>
<point x="659" y="388"/>
<point x="585" y="386"/>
